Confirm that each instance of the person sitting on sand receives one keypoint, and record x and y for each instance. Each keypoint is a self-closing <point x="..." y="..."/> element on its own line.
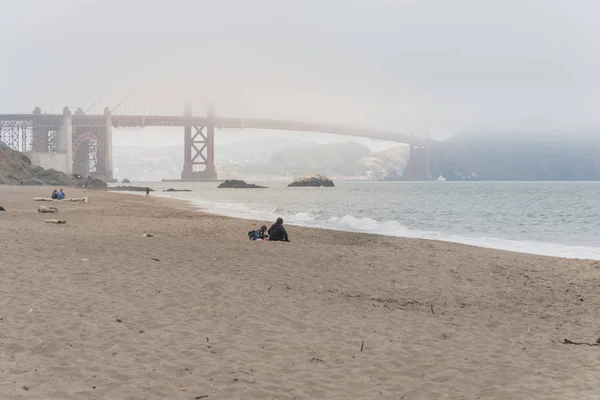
<point x="258" y="234"/>
<point x="60" y="195"/>
<point x="54" y="194"/>
<point x="277" y="232"/>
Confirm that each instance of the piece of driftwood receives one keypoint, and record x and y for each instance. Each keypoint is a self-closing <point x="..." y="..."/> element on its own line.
<point x="44" y="209"/>
<point x="56" y="221"/>
<point x="567" y="341"/>
<point x="76" y="199"/>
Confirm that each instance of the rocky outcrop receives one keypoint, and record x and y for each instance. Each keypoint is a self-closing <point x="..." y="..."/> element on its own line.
<point x="177" y="190"/>
<point x="129" y="189"/>
<point x="16" y="169"/>
<point x="312" y="181"/>
<point x="237" y="184"/>
<point x="126" y="181"/>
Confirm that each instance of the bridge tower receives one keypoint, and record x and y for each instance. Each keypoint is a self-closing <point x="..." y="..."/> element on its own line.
<point x="40" y="141"/>
<point x="428" y="158"/>
<point x="64" y="139"/>
<point x="419" y="162"/>
<point x="199" y="148"/>
<point x="92" y="145"/>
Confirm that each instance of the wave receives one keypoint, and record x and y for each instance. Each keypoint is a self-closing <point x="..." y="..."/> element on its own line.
<point x="350" y="223"/>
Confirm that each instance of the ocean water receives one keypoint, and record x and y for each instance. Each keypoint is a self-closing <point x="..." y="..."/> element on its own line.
<point x="551" y="218"/>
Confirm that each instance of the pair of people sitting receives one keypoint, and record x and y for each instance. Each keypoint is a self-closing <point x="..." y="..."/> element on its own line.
<point x="276" y="233"/>
<point x="58" y="195"/>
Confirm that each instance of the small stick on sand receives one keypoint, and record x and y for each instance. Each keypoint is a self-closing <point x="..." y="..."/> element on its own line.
<point x="55" y="221"/>
<point x="362" y="346"/>
<point x="44" y="209"/>
<point x="567" y="341"/>
<point x="433" y="312"/>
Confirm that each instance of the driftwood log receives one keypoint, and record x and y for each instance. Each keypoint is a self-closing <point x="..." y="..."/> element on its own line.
<point x="77" y="199"/>
<point x="56" y="221"/>
<point x="44" y="209"/>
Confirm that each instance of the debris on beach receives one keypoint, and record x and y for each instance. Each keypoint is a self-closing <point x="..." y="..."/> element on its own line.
<point x="56" y="221"/>
<point x="148" y="235"/>
<point x="567" y="341"/>
<point x="44" y="209"/>
<point x="75" y="199"/>
<point x="129" y="189"/>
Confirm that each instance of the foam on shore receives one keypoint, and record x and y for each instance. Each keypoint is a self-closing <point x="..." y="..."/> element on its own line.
<point x="350" y="223"/>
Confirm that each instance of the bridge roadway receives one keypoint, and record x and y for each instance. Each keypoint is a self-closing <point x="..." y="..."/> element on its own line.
<point x="140" y="121"/>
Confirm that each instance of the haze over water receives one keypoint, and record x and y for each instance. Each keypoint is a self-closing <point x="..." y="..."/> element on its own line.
<point x="550" y="218"/>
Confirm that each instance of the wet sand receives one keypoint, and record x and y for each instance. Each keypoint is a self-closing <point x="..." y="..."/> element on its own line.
<point x="95" y="310"/>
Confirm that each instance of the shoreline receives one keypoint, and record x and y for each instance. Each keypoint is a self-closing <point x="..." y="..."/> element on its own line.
<point x="555" y="250"/>
<point x="93" y="309"/>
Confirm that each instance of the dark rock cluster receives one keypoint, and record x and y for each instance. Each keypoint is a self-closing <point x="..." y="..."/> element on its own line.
<point x="237" y="184"/>
<point x="312" y="181"/>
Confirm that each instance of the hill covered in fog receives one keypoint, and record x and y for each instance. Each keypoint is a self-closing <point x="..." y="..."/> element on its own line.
<point x="250" y="159"/>
<point x="519" y="156"/>
<point x="336" y="159"/>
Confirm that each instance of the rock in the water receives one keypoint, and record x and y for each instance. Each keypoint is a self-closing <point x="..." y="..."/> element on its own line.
<point x="126" y="180"/>
<point x="312" y="181"/>
<point x="237" y="184"/>
<point x="129" y="189"/>
<point x="177" y="190"/>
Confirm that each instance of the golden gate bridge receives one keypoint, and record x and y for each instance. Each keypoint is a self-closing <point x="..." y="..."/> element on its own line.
<point x="81" y="143"/>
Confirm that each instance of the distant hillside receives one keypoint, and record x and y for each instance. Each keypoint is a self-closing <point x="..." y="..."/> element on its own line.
<point x="337" y="159"/>
<point x="519" y="157"/>
<point x="155" y="163"/>
<point x="259" y="159"/>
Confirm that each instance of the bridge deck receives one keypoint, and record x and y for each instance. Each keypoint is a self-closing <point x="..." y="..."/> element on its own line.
<point x="120" y="121"/>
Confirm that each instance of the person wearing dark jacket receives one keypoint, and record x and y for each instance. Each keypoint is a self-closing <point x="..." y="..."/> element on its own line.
<point x="277" y="232"/>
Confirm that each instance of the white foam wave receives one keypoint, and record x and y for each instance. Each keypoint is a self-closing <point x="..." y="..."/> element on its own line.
<point x="316" y="219"/>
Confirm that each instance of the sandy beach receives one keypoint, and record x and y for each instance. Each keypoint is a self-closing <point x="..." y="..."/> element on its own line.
<point x="94" y="310"/>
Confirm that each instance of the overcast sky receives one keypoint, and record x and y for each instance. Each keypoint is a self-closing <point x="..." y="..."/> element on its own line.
<point x="437" y="66"/>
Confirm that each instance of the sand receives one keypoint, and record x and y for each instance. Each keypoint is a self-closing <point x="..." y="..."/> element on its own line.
<point x="94" y="310"/>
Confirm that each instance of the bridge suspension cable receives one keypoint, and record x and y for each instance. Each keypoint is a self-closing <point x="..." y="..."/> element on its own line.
<point x="93" y="104"/>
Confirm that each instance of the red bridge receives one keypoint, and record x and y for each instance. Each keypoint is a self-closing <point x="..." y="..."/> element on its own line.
<point x="82" y="144"/>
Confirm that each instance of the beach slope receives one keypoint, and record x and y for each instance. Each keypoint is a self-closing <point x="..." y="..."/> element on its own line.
<point x="93" y="309"/>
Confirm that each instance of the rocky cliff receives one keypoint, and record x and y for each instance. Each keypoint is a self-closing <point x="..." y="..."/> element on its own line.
<point x="16" y="169"/>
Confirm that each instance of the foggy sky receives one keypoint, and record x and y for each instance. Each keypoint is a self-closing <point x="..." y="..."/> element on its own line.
<point x="437" y="66"/>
